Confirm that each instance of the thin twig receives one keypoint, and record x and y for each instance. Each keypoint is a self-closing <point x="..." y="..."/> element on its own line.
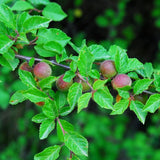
<point x="38" y="59"/>
<point x="35" y="9"/>
<point x="148" y="92"/>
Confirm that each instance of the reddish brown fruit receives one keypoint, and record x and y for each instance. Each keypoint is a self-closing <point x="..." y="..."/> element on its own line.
<point x="42" y="70"/>
<point x="40" y="103"/>
<point x="108" y="69"/>
<point x="62" y="85"/>
<point x="121" y="80"/>
<point x="25" y="66"/>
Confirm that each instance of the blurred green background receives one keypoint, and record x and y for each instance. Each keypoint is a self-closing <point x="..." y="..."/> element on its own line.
<point x="131" y="24"/>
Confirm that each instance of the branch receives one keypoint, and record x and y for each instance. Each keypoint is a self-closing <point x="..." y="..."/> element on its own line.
<point x="148" y="92"/>
<point x="38" y="59"/>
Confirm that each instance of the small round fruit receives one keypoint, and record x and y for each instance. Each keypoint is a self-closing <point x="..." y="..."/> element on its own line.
<point x="120" y="81"/>
<point x="42" y="70"/>
<point x="108" y="69"/>
<point x="25" y="66"/>
<point x="40" y="103"/>
<point x="62" y="85"/>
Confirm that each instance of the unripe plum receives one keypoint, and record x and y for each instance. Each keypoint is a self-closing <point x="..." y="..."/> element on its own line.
<point x="25" y="66"/>
<point x="108" y="69"/>
<point x="42" y="70"/>
<point x="121" y="80"/>
<point x="62" y="85"/>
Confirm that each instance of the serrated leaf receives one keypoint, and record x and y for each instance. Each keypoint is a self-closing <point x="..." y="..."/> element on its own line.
<point x="68" y="76"/>
<point x="50" y="153"/>
<point x="133" y="64"/>
<point x="43" y="52"/>
<point x="75" y="91"/>
<point x="50" y="108"/>
<point x="153" y="103"/>
<point x="35" y="95"/>
<point x="83" y="101"/>
<point x="99" y="52"/>
<point x="53" y="46"/>
<point x="76" y="143"/>
<point x="5" y="44"/>
<point x="66" y="127"/>
<point x="54" y="12"/>
<point x="39" y="2"/>
<point x="85" y="61"/>
<point x="120" y="107"/>
<point x="22" y="6"/>
<point x="94" y="74"/>
<point x="47" y="82"/>
<point x="7" y="16"/>
<point x="52" y="34"/>
<point x="137" y="107"/>
<point x="121" y="61"/>
<point x="123" y="93"/>
<point x="17" y="97"/>
<point x="73" y="66"/>
<point x="133" y="75"/>
<point x="141" y="85"/>
<point x="35" y="22"/>
<point x="27" y="78"/>
<point x="148" y="68"/>
<point x="45" y="128"/>
<point x="39" y="118"/>
<point x="98" y="84"/>
<point x="12" y="64"/>
<point x="60" y="98"/>
<point x="103" y="98"/>
<point x="157" y="81"/>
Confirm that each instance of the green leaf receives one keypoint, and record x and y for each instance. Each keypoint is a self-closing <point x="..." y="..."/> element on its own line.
<point x="75" y="91"/>
<point x="137" y="107"/>
<point x="50" y="108"/>
<point x="35" y="95"/>
<point x="157" y="81"/>
<point x="45" y="128"/>
<point x="17" y="97"/>
<point x="61" y="98"/>
<point x="68" y="76"/>
<point x="12" y="64"/>
<point x="27" y="78"/>
<point x="22" y="6"/>
<point x="39" y="118"/>
<point x="98" y="84"/>
<point x="35" y="22"/>
<point x="141" y="85"/>
<point x="53" y="46"/>
<point x="153" y="103"/>
<point x="47" y="82"/>
<point x="76" y="143"/>
<point x="121" y="61"/>
<point x="85" y="61"/>
<point x="83" y="101"/>
<point x="148" y="68"/>
<point x="94" y="74"/>
<point x="133" y="75"/>
<point x="50" y="153"/>
<point x="99" y="52"/>
<point x="103" y="98"/>
<point x="52" y="34"/>
<point x="39" y="2"/>
<point x="5" y="44"/>
<point x="133" y="64"/>
<point x="7" y="16"/>
<point x="123" y="93"/>
<point x="120" y="107"/>
<point x="66" y="127"/>
<point x="73" y="66"/>
<point x="54" y="12"/>
<point x="43" y="52"/>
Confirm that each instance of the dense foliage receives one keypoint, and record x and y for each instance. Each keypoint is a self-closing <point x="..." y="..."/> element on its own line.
<point x="62" y="77"/>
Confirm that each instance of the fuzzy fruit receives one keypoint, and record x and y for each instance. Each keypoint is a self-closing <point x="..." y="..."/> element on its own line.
<point x="62" y="85"/>
<point x="42" y="70"/>
<point x="121" y="80"/>
<point x="107" y="68"/>
<point x="25" y="66"/>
